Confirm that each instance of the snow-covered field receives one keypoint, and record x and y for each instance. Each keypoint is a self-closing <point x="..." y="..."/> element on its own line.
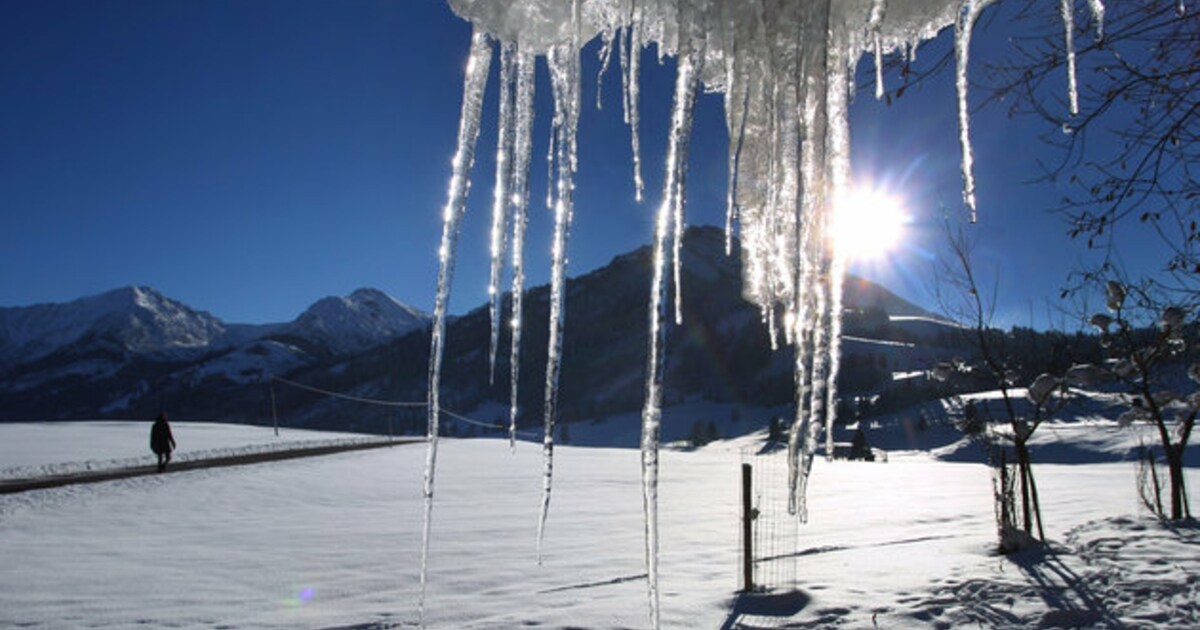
<point x="335" y="541"/>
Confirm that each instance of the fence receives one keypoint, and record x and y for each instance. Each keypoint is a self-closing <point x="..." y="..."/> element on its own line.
<point x="768" y="536"/>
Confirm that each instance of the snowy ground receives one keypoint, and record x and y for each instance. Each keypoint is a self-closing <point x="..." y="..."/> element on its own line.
<point x="335" y="542"/>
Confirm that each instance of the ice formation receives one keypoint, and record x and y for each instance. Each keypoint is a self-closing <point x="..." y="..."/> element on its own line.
<point x="564" y="78"/>
<point x="464" y="158"/>
<point x="785" y="68"/>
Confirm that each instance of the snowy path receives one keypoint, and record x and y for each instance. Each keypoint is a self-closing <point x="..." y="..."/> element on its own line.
<point x="251" y="456"/>
<point x="46" y="449"/>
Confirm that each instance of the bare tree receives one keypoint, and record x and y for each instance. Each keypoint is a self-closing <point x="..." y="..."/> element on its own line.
<point x="959" y="295"/>
<point x="1147" y="361"/>
<point x="1131" y="151"/>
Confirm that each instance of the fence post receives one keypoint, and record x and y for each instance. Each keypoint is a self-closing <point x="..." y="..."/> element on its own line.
<point x="747" y="531"/>
<point x="274" y="411"/>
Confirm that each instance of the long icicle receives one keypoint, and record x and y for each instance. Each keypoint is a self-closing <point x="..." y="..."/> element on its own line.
<point x="1067" y="9"/>
<point x="564" y="74"/>
<point x="686" y="82"/>
<point x="608" y="39"/>
<point x="474" y="84"/>
<point x="522" y="153"/>
<point x="631" y="79"/>
<point x="1097" y="8"/>
<point x="875" y="27"/>
<point x="967" y="15"/>
<point x="677" y="241"/>
<point x="500" y="199"/>
<point x="735" y="121"/>
<point x="822" y="333"/>
<point x="838" y="156"/>
<point x="813" y="175"/>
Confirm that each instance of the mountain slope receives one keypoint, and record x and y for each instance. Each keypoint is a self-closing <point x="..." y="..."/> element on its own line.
<point x="721" y="352"/>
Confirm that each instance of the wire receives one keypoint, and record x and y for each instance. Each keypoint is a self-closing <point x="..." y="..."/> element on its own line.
<point x="393" y="403"/>
<point x="370" y="401"/>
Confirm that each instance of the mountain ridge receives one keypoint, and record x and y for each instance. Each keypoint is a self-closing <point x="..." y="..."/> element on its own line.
<point x="370" y="345"/>
<point x="145" y="322"/>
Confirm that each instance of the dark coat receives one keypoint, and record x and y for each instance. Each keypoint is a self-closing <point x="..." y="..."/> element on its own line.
<point x="161" y="440"/>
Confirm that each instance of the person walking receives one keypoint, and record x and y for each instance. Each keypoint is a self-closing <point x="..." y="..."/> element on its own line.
<point x="161" y="441"/>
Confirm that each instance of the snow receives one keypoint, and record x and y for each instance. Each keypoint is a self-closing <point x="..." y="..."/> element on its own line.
<point x="249" y="365"/>
<point x="335" y="542"/>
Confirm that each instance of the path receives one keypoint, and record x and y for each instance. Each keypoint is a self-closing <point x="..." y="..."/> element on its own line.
<point x="9" y="486"/>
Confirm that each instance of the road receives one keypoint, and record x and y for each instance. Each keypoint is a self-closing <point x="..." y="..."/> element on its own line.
<point x="10" y="486"/>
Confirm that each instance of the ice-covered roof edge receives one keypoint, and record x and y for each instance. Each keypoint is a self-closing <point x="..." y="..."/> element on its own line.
<point x="541" y="24"/>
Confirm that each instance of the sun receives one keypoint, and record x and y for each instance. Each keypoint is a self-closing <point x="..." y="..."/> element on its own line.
<point x="868" y="224"/>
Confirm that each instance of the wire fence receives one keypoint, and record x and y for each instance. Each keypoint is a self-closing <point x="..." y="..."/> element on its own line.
<point x="774" y="532"/>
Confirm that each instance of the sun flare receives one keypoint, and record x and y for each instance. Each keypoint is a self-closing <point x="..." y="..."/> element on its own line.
<point x="869" y="223"/>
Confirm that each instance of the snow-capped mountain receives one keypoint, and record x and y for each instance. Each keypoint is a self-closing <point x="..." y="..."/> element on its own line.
<point x="361" y="320"/>
<point x="139" y="320"/>
<point x="102" y="354"/>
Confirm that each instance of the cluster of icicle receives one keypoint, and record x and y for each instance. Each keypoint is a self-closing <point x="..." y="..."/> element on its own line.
<point x="785" y="68"/>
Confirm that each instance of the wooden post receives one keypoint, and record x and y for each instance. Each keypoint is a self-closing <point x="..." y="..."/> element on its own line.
<point x="747" y="531"/>
<point x="274" y="411"/>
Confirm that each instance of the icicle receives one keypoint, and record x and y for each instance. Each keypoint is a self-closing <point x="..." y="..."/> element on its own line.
<point x="789" y="326"/>
<point x="623" y="59"/>
<point x="550" y="164"/>
<point x="666" y="229"/>
<point x="695" y="63"/>
<point x="1097" y="8"/>
<point x="735" y="149"/>
<point x="1067" y="9"/>
<point x="564" y="78"/>
<point x="631" y="78"/>
<point x="606" y="49"/>
<point x="522" y="152"/>
<point x="677" y="242"/>
<point x="736" y="135"/>
<point x="737" y="95"/>
<point x="875" y="26"/>
<point x="815" y="65"/>
<point x="879" y="90"/>
<point x="500" y="199"/>
<point x="772" y="331"/>
<point x="839" y="176"/>
<point x="968" y="14"/>
<point x="474" y="84"/>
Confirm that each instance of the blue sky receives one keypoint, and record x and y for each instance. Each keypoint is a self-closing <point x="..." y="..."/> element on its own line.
<point x="249" y="158"/>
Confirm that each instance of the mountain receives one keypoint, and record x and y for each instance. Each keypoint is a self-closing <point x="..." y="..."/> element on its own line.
<point x="367" y="345"/>
<point x="100" y="355"/>
<point x="139" y="320"/>
<point x="722" y="351"/>
<point x="364" y="319"/>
